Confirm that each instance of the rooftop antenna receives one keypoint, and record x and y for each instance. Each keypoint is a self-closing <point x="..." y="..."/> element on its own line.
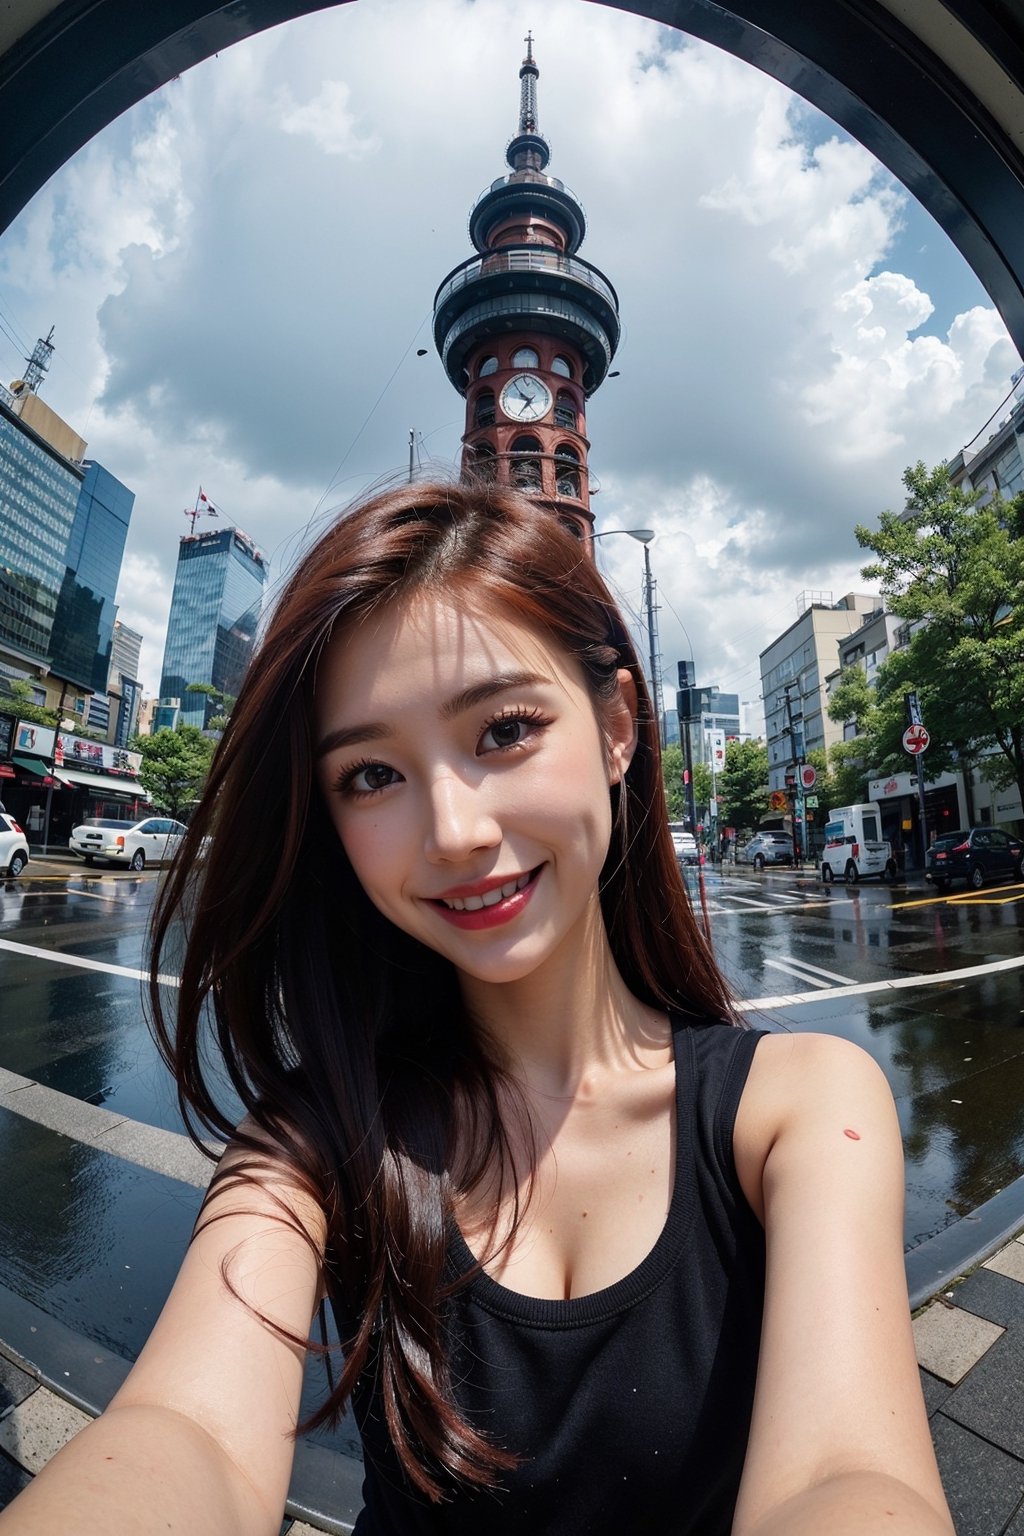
<point x="206" y="510"/>
<point x="38" y="363"/>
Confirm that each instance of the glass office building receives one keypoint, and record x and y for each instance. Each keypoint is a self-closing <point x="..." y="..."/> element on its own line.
<point x="86" y="611"/>
<point x="39" y="491"/>
<point x="63" y="527"/>
<point x="215" y="608"/>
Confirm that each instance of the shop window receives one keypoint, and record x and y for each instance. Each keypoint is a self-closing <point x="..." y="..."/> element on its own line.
<point x="489" y="365"/>
<point x="526" y="357"/>
<point x="484" y="415"/>
<point x="563" y="366"/>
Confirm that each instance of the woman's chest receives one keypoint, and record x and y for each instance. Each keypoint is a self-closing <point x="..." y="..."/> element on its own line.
<point x="600" y="1193"/>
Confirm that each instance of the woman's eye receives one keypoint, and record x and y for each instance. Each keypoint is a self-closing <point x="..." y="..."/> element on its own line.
<point x="368" y="778"/>
<point x="504" y="733"/>
<point x="513" y="730"/>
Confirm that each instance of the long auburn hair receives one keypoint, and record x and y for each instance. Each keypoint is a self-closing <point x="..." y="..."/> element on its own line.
<point x="345" y="1040"/>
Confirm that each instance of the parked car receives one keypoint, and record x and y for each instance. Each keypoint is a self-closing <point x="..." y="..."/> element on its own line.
<point x="13" y="845"/>
<point x="684" y="843"/>
<point x="135" y="843"/>
<point x="978" y="855"/>
<point x="768" y="848"/>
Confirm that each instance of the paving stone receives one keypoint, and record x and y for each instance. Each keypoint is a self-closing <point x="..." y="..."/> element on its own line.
<point x="11" y="1082"/>
<point x="989" y="1294"/>
<point x="15" y="1385"/>
<point x="935" y="1391"/>
<point x="37" y="1428"/>
<point x="60" y="1112"/>
<point x="1016" y="1525"/>
<point x="166" y="1152"/>
<point x="950" y="1341"/>
<point x="12" y="1480"/>
<point x="1008" y="1261"/>
<point x="989" y="1400"/>
<point x="984" y="1485"/>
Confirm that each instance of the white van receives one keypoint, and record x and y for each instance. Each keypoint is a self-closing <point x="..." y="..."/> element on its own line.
<point x="854" y="847"/>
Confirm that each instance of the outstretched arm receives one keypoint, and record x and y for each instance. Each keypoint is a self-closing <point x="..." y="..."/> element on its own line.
<point x="199" y="1438"/>
<point x="839" y="1439"/>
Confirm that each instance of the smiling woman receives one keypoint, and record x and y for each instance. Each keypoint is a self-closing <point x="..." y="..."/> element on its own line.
<point x="576" y="1227"/>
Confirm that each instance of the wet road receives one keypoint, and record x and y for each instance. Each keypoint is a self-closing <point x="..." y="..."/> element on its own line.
<point x="869" y="963"/>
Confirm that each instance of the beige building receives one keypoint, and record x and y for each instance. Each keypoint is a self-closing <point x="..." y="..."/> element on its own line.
<point x="798" y="663"/>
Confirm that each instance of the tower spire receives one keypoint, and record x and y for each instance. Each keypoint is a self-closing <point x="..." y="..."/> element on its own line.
<point x="529" y="150"/>
<point x="528" y="90"/>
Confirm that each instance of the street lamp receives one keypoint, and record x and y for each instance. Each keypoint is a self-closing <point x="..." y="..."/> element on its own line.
<point x="645" y="536"/>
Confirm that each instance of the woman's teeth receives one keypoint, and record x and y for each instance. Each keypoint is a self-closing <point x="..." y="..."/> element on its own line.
<point x="490" y="899"/>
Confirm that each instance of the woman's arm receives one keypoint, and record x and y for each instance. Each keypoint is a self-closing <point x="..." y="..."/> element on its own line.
<point x="839" y="1439"/>
<point x="199" y="1437"/>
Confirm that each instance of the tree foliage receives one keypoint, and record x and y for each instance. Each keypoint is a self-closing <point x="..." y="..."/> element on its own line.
<point x="954" y="571"/>
<point x="174" y="766"/>
<point x="672" y="775"/>
<point x="743" y="785"/>
<point x="18" y="701"/>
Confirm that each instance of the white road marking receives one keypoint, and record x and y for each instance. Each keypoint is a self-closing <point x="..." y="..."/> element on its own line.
<point x="939" y="978"/>
<point x="846" y="981"/>
<point x="744" y="1005"/>
<point x="32" y="953"/>
<point x="791" y="970"/>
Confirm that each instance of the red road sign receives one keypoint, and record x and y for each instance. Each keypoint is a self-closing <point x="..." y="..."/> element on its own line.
<point x="915" y="739"/>
<point x="808" y="776"/>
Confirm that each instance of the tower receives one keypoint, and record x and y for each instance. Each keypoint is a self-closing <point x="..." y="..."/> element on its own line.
<point x="526" y="330"/>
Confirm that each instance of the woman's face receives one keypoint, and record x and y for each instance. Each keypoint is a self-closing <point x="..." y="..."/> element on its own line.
<point x="468" y="777"/>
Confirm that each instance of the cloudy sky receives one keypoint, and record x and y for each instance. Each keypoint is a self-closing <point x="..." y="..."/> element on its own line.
<point x="241" y="270"/>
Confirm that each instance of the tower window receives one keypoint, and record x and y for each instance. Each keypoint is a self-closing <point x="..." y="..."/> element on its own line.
<point x="482" y="462"/>
<point x="565" y="410"/>
<point x="525" y="468"/>
<point x="571" y="526"/>
<point x="567" y="471"/>
<point x="526" y="357"/>
<point x="489" y="365"/>
<point x="563" y="366"/>
<point x="484" y="413"/>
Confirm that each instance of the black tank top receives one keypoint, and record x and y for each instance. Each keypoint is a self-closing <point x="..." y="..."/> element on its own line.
<point x="630" y="1407"/>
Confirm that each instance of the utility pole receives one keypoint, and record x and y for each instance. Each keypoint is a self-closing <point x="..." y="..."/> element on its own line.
<point x="798" y="793"/>
<point x="652" y="642"/>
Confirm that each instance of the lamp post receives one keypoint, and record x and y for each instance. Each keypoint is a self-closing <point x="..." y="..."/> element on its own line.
<point x="645" y="536"/>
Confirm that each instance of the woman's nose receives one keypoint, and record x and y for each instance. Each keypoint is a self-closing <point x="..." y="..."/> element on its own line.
<point x="459" y="820"/>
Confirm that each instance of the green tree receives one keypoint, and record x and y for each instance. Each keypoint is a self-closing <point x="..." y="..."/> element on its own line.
<point x="672" y="776"/>
<point x="174" y="766"/>
<point x="743" y="785"/>
<point x="18" y="701"/>
<point x="954" y="571"/>
<point x="224" y="703"/>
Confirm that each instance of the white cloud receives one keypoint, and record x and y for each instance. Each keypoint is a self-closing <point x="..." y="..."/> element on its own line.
<point x="328" y="122"/>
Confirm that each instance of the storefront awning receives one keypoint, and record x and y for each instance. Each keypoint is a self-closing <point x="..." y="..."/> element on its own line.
<point x="35" y="765"/>
<point x="128" y="789"/>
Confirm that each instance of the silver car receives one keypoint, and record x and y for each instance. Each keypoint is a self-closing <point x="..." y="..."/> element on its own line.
<point x="136" y="844"/>
<point x="768" y="848"/>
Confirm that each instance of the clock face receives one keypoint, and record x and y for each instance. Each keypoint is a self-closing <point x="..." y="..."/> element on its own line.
<point x="525" y="398"/>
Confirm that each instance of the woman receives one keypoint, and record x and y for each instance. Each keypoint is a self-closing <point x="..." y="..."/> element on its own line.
<point x="602" y="1261"/>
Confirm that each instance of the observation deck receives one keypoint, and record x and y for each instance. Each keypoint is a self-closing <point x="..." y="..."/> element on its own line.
<point x="526" y="287"/>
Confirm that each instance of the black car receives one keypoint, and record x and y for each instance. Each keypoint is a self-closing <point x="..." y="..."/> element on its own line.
<point x="982" y="854"/>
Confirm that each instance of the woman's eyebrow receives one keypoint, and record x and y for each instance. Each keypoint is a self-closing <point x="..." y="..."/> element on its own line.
<point x="466" y="698"/>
